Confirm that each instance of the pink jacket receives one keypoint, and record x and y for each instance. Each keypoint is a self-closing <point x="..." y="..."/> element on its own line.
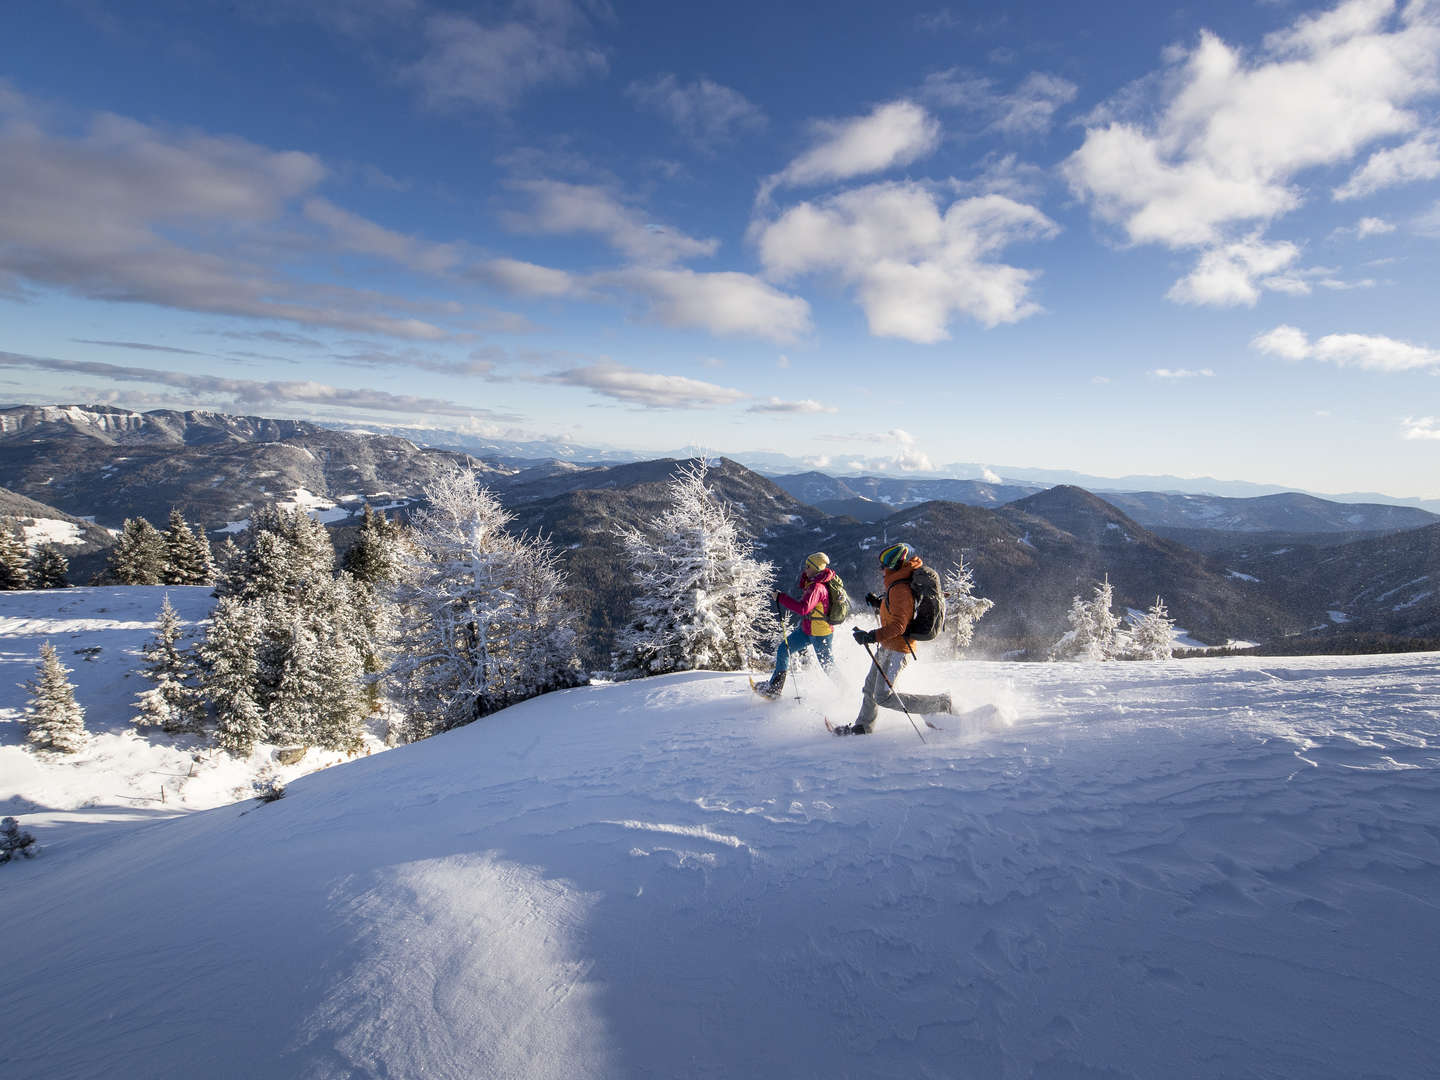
<point x="814" y="599"/>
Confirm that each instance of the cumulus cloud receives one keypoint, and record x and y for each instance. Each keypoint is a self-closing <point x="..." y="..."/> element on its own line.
<point x="1182" y="373"/>
<point x="708" y="114"/>
<point x="726" y="303"/>
<point x="1416" y="160"/>
<point x="1421" y="427"/>
<point x="1227" y="275"/>
<point x="1366" y="351"/>
<point x="1029" y="109"/>
<point x="1222" y="139"/>
<point x="647" y="389"/>
<point x="888" y="136"/>
<point x="126" y="212"/>
<point x="239" y="394"/>
<point x="912" y="265"/>
<point x="561" y="208"/>
<point x="525" y="278"/>
<point x="468" y="62"/>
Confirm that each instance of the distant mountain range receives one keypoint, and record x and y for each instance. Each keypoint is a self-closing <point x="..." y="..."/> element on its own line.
<point x="1260" y="568"/>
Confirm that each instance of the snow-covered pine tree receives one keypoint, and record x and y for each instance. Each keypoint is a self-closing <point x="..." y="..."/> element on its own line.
<point x="1094" y="632"/>
<point x="374" y="558"/>
<point x="14" y="557"/>
<point x="187" y="553"/>
<point x="230" y="667"/>
<point x="56" y="722"/>
<point x="279" y="552"/>
<point x="1152" y="635"/>
<point x="962" y="607"/>
<point x="173" y="701"/>
<point x="373" y="563"/>
<point x="48" y="569"/>
<point x="700" y="595"/>
<point x="139" y="556"/>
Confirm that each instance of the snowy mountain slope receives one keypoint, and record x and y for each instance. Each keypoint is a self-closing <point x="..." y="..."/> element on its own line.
<point x="1290" y="512"/>
<point x="1183" y="870"/>
<point x="44" y="524"/>
<point x="112" y="464"/>
<point x="122" y="775"/>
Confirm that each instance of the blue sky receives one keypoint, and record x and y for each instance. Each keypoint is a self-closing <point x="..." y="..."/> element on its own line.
<point x="1111" y="238"/>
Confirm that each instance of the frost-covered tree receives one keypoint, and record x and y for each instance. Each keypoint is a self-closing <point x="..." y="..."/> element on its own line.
<point x="1152" y="635"/>
<point x="48" y="569"/>
<point x="55" y="721"/>
<point x="1094" y="632"/>
<point x="374" y="558"/>
<point x="14" y="558"/>
<point x="481" y="621"/>
<point x="963" y="609"/>
<point x="373" y="562"/>
<point x="139" y="556"/>
<point x="173" y="701"/>
<point x="284" y="657"/>
<point x="187" y="554"/>
<point x="700" y="595"/>
<point x="231" y="665"/>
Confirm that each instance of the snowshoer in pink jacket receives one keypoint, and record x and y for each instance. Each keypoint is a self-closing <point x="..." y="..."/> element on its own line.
<point x="813" y="630"/>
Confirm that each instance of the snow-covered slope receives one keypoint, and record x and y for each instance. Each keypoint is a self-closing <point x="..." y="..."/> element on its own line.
<point x="1212" y="868"/>
<point x="122" y="775"/>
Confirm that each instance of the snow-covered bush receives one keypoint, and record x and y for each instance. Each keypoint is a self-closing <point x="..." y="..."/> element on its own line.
<point x="481" y="620"/>
<point x="1095" y="632"/>
<point x="963" y="608"/>
<point x="1152" y="635"/>
<point x="700" y="595"/>
<point x="48" y="569"/>
<point x="173" y="703"/>
<point x="56" y="722"/>
<point x="14" y="842"/>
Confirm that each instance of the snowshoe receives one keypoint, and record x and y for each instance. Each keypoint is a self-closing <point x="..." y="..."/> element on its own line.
<point x="850" y="729"/>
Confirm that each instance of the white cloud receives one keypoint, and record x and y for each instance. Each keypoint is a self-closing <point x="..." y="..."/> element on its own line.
<point x="1287" y="342"/>
<point x="725" y="303"/>
<point x="562" y="208"/>
<point x="776" y="405"/>
<point x="1227" y="275"/>
<point x="1418" y="159"/>
<point x="1003" y="174"/>
<point x="1222" y="140"/>
<point x="1421" y="427"/>
<point x="1369" y="352"/>
<point x="648" y="389"/>
<point x="1029" y="109"/>
<point x="1428" y="223"/>
<point x="990" y="476"/>
<point x="127" y="212"/>
<point x="705" y="112"/>
<point x="213" y="391"/>
<point x="1371" y="226"/>
<point x="1182" y="373"/>
<point x="889" y="136"/>
<point x="912" y="266"/>
<point x="526" y="278"/>
<point x="350" y="232"/>
<point x="492" y="66"/>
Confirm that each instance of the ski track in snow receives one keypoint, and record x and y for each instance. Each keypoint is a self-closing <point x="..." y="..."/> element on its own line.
<point x="1211" y="868"/>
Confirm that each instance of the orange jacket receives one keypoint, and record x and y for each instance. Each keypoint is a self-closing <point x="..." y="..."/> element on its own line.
<point x="897" y="608"/>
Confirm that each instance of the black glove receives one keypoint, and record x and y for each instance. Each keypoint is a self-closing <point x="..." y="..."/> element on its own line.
<point x="872" y="600"/>
<point x="864" y="637"/>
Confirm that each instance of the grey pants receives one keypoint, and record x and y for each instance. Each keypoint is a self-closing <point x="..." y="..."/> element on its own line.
<point x="876" y="694"/>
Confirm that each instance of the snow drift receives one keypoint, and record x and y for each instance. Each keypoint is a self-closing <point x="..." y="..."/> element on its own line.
<point x="1211" y="868"/>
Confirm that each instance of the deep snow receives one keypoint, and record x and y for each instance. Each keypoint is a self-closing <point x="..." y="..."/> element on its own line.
<point x="123" y="775"/>
<point x="1209" y="868"/>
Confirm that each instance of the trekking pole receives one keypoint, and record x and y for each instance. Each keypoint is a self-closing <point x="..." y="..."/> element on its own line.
<point x="789" y="658"/>
<point x="895" y="693"/>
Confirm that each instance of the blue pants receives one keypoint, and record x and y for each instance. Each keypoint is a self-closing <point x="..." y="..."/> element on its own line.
<point x="797" y="642"/>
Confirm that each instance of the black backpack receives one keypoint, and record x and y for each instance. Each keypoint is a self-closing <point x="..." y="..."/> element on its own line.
<point x="837" y="601"/>
<point x="929" y="617"/>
